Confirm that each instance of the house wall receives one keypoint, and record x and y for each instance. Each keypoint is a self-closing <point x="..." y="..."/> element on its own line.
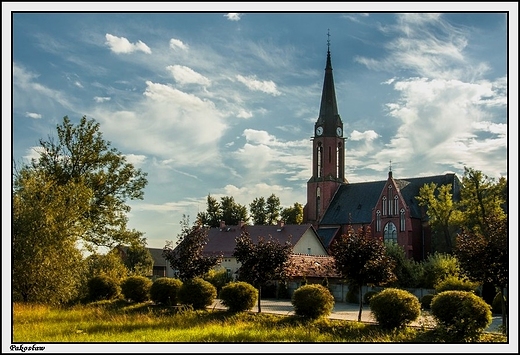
<point x="309" y="241"/>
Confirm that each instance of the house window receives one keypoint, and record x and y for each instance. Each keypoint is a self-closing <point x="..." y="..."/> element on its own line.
<point x="402" y="220"/>
<point x="384" y="205"/>
<point x="390" y="234"/>
<point x="378" y="221"/>
<point x="309" y="251"/>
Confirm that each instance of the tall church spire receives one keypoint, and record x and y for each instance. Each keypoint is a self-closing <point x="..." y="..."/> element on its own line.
<point x="329" y="116"/>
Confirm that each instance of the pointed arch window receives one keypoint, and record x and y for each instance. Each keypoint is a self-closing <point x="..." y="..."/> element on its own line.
<point x="402" y="220"/>
<point x="318" y="202"/>
<point x="378" y="221"/>
<point x="390" y="233"/>
<point x="319" y="155"/>
<point x="396" y="203"/>
<point x="390" y="206"/>
<point x="338" y="160"/>
<point x="384" y="206"/>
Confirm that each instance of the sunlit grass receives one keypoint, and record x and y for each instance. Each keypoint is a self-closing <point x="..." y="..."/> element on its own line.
<point x="119" y="321"/>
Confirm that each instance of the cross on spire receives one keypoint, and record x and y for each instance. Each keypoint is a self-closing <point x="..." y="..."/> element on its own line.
<point x="328" y="39"/>
<point x="390" y="165"/>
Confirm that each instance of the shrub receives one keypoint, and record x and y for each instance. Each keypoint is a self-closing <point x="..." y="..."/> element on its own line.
<point x="164" y="290"/>
<point x="496" y="305"/>
<point x="198" y="293"/>
<point x="395" y="308"/>
<point x="218" y="278"/>
<point x="239" y="296"/>
<point x="426" y="301"/>
<point x="453" y="283"/>
<point x="312" y="301"/>
<point x="368" y="296"/>
<point x="461" y="315"/>
<point x="136" y="288"/>
<point x="102" y="287"/>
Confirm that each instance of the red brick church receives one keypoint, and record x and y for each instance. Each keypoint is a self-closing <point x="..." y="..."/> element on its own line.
<point x="388" y="207"/>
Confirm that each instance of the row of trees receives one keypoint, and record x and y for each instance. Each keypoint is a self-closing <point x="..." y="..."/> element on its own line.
<point x="262" y="211"/>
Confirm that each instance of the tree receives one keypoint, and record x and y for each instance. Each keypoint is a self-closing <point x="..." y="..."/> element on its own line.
<point x="212" y="216"/>
<point x="81" y="154"/>
<point x="482" y="197"/>
<point x="258" y="211"/>
<point x="273" y="209"/>
<point x="187" y="256"/>
<point x="294" y="214"/>
<point x="263" y="261"/>
<point x="443" y="214"/>
<point x="227" y="210"/>
<point x="486" y="257"/>
<point x="109" y="264"/>
<point x="138" y="260"/>
<point x="362" y="260"/>
<point x="408" y="272"/>
<point x="48" y="221"/>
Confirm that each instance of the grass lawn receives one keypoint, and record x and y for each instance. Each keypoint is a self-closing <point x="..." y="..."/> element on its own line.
<point x="119" y="321"/>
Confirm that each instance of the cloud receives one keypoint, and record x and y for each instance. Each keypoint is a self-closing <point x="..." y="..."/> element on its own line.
<point x="101" y="99"/>
<point x="33" y="115"/>
<point x="136" y="160"/>
<point x="184" y="75"/>
<point x="122" y="45"/>
<point x="244" y="114"/>
<point x="233" y="16"/>
<point x="177" y="43"/>
<point x="268" y="87"/>
<point x="369" y="135"/>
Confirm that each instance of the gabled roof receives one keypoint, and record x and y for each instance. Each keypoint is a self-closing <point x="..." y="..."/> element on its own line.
<point x="312" y="266"/>
<point x="158" y="259"/>
<point x="354" y="202"/>
<point x="222" y="240"/>
<point x="327" y="234"/>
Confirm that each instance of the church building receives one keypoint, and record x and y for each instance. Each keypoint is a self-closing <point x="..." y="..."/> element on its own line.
<point x="388" y="207"/>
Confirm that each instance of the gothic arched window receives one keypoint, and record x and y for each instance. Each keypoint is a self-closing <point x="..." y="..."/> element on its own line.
<point x="384" y="206"/>
<point x="378" y="221"/>
<point x="402" y="220"/>
<point x="390" y="234"/>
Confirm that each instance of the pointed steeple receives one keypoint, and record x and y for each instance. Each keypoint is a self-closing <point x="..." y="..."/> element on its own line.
<point x="329" y="116"/>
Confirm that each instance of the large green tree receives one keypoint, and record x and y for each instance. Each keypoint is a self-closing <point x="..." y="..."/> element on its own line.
<point x="81" y="155"/>
<point x="261" y="261"/>
<point x="138" y="260"/>
<point x="49" y="220"/>
<point x="362" y="260"/>
<point x="186" y="256"/>
<point x="227" y="211"/>
<point x="293" y="214"/>
<point x="443" y="212"/>
<point x="265" y="211"/>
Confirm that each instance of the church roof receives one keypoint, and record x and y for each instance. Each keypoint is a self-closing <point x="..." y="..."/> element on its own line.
<point x="354" y="202"/>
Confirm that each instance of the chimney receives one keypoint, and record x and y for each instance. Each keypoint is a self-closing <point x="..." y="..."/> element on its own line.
<point x="222" y="224"/>
<point x="280" y="224"/>
<point x="241" y="224"/>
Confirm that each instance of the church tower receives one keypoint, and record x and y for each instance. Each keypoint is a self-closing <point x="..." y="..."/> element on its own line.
<point x="328" y="151"/>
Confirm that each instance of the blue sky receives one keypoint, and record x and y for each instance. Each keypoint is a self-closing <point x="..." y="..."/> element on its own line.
<point x="225" y="103"/>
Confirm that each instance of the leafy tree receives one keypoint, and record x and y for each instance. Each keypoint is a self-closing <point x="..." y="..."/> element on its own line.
<point x="82" y="156"/>
<point x="138" y="260"/>
<point x="47" y="223"/>
<point x="485" y="258"/>
<point x="109" y="264"/>
<point x="362" y="260"/>
<point x="212" y="216"/>
<point x="227" y="210"/>
<point x="187" y="256"/>
<point x="273" y="209"/>
<point x="482" y="197"/>
<point x="437" y="267"/>
<point x="262" y="261"/>
<point x="293" y="214"/>
<point x="258" y="211"/>
<point x="408" y="272"/>
<point x="443" y="214"/>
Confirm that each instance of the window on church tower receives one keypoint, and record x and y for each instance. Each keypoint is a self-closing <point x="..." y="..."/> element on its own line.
<point x="390" y="233"/>
<point x="402" y="220"/>
<point x="318" y="202"/>
<point x="320" y="159"/>
<point x="378" y="221"/>
<point x="338" y="160"/>
<point x="330" y="155"/>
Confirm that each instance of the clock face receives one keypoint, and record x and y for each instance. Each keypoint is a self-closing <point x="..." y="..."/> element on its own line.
<point x="339" y="131"/>
<point x="319" y="131"/>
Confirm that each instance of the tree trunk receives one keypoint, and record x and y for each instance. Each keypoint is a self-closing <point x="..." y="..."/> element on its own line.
<point x="505" y="329"/>
<point x="259" y="297"/>
<point x="360" y="303"/>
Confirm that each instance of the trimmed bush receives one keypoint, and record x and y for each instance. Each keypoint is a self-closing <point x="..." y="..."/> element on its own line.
<point x="453" y="283"/>
<point x="198" y="293"/>
<point x="496" y="306"/>
<point x="312" y="301"/>
<point x="102" y="287"/>
<point x="426" y="301"/>
<point x="164" y="290"/>
<point x="136" y="288"/>
<point x="368" y="296"/>
<point x="394" y="308"/>
<point x="239" y="296"/>
<point x="461" y="315"/>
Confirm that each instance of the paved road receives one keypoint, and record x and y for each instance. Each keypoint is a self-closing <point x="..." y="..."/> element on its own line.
<point x="346" y="311"/>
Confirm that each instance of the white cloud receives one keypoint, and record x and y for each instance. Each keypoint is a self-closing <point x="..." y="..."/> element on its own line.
<point x="244" y="114"/>
<point x="268" y="87"/>
<point x="233" y="16"/>
<point x="101" y="99"/>
<point x="369" y="135"/>
<point x="136" y="160"/>
<point x="184" y="75"/>
<point x="78" y="84"/>
<point x="177" y="43"/>
<point x="33" y="115"/>
<point x="123" y="45"/>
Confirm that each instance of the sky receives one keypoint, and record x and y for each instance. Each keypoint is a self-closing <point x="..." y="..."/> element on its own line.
<point x="224" y="104"/>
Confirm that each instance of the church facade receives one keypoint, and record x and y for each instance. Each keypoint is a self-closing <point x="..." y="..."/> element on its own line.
<point x="388" y="207"/>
